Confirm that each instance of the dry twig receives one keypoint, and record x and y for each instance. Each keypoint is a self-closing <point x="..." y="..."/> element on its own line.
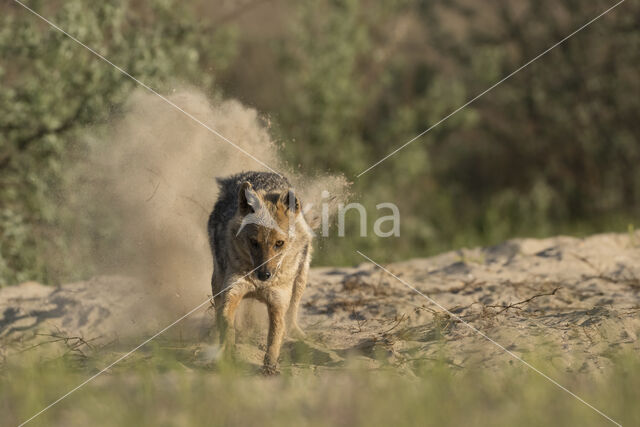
<point x="516" y="304"/>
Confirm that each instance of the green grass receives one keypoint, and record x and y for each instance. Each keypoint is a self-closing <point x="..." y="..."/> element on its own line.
<point x="157" y="387"/>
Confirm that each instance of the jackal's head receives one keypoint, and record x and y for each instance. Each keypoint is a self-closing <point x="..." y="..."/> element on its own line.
<point x="266" y="228"/>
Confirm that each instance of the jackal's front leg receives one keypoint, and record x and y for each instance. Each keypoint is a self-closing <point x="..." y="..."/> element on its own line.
<point x="299" y="285"/>
<point x="226" y="305"/>
<point x="274" y="340"/>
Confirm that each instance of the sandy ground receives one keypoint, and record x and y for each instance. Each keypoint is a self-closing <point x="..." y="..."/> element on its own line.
<point x="577" y="298"/>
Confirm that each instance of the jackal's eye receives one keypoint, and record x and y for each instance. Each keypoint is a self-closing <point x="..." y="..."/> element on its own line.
<point x="254" y="243"/>
<point x="279" y="243"/>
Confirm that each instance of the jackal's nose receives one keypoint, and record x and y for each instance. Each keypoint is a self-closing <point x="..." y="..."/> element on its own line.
<point x="264" y="275"/>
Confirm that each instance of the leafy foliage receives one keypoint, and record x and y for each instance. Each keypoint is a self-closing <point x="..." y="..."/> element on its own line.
<point x="552" y="149"/>
<point x="51" y="89"/>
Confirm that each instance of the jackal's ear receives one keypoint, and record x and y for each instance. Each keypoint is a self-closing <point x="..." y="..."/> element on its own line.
<point x="289" y="201"/>
<point x="248" y="199"/>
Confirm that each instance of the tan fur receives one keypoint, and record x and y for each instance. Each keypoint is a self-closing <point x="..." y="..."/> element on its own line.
<point x="288" y="265"/>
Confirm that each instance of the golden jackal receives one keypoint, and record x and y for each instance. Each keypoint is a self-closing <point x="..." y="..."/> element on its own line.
<point x="261" y="247"/>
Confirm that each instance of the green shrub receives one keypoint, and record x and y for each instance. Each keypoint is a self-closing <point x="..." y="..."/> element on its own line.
<point x="52" y="88"/>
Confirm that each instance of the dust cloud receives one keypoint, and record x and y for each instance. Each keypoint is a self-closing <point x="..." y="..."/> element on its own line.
<point x="157" y="170"/>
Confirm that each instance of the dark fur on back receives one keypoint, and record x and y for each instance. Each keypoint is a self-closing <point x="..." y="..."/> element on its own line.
<point x="227" y="204"/>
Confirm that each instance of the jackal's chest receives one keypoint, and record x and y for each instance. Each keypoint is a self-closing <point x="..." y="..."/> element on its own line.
<point x="278" y="287"/>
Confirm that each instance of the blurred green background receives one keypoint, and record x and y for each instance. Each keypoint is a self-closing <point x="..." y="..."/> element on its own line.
<point x="342" y="83"/>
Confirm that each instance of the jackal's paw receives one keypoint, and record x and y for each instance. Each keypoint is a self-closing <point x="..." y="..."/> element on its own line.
<point x="270" y="370"/>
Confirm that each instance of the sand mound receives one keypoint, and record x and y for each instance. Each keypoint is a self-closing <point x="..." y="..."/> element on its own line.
<point x="578" y="297"/>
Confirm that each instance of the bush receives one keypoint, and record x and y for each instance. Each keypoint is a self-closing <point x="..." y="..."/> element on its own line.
<point x="52" y="88"/>
<point x="552" y="150"/>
